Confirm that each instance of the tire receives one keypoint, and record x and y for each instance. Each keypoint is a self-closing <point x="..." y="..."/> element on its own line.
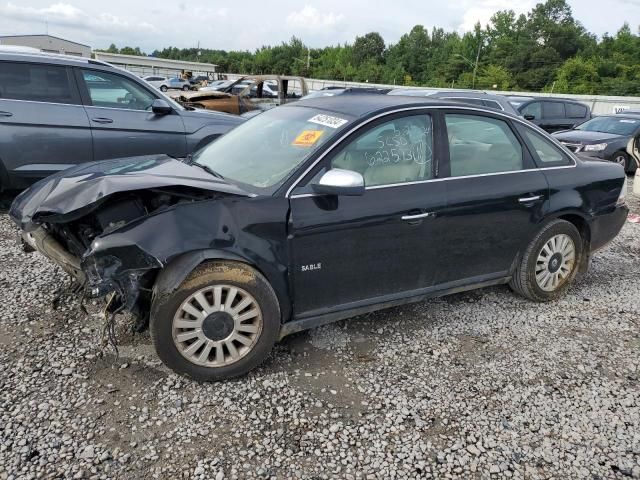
<point x="524" y="280"/>
<point x="186" y="88"/>
<point x="622" y="158"/>
<point x="219" y="328"/>
<point x="163" y="88"/>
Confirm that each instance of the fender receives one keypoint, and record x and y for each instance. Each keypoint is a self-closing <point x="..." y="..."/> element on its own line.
<point x="174" y="273"/>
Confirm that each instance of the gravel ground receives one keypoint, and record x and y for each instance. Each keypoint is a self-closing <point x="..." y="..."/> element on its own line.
<point x="477" y="385"/>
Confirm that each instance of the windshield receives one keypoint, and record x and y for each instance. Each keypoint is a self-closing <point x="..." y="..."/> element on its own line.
<point x="613" y="125"/>
<point x="263" y="152"/>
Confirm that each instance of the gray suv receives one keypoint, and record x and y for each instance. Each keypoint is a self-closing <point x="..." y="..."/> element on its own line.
<point x="57" y="111"/>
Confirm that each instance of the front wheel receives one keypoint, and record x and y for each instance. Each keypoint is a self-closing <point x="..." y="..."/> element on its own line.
<point x="220" y="323"/>
<point x="621" y="158"/>
<point x="163" y="88"/>
<point x="550" y="263"/>
<point x="186" y="88"/>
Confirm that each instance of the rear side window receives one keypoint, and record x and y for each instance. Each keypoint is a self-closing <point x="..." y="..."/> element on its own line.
<point x="38" y="83"/>
<point x="546" y="152"/>
<point x="553" y="110"/>
<point x="480" y="145"/>
<point x="576" y="111"/>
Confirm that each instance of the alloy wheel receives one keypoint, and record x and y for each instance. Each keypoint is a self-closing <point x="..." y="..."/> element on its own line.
<point x="555" y="262"/>
<point x="217" y="325"/>
<point x="620" y="160"/>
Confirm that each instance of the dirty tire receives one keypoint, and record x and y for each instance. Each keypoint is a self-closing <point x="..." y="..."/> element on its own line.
<point x="524" y="280"/>
<point x="211" y="274"/>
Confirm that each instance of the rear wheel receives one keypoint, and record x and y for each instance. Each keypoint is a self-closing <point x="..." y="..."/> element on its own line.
<point x="185" y="88"/>
<point x="550" y="263"/>
<point x="220" y="323"/>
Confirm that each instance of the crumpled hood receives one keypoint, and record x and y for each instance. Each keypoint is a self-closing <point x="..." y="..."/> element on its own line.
<point x="87" y="183"/>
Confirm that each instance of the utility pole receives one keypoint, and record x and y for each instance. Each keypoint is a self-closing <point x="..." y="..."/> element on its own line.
<point x="308" y="59"/>
<point x="475" y="68"/>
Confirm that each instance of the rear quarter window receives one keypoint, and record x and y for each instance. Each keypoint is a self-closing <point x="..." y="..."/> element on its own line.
<point x="546" y="153"/>
<point x="553" y="109"/>
<point x="576" y="111"/>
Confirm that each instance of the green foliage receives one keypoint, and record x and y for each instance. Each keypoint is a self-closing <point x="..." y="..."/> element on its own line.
<point x="544" y="50"/>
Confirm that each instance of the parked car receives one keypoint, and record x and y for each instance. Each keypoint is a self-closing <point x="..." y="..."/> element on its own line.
<point x="155" y="80"/>
<point x="333" y="91"/>
<point x="554" y="114"/>
<point x="320" y="210"/>
<point x="247" y="94"/>
<point x="471" y="97"/>
<point x="517" y="100"/>
<point x="606" y="136"/>
<point x="57" y="111"/>
<point x="216" y="86"/>
<point x="175" y="83"/>
<point x="199" y="81"/>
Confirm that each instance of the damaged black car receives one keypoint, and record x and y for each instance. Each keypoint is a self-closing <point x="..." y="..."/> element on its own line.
<point x="318" y="211"/>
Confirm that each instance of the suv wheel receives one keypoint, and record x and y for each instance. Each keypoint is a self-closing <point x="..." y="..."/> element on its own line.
<point x="220" y="323"/>
<point x="163" y="88"/>
<point x="550" y="263"/>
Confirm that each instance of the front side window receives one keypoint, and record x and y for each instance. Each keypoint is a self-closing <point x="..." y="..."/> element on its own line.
<point x="481" y="145"/>
<point x="546" y="151"/>
<point x="396" y="151"/>
<point x="37" y="83"/>
<point x="534" y="109"/>
<point x="115" y="91"/>
<point x="261" y="153"/>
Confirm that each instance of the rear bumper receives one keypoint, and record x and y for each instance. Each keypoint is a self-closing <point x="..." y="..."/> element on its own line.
<point x="606" y="227"/>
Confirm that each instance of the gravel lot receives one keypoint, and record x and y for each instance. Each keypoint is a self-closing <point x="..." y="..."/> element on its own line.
<point x="477" y="385"/>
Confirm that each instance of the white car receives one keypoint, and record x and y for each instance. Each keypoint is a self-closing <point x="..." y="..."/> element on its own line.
<point x="165" y="84"/>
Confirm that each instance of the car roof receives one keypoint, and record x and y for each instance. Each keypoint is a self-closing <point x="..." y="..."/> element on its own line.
<point x="365" y="104"/>
<point x="50" y="58"/>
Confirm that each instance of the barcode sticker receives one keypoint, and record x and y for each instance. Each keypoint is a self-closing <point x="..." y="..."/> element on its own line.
<point x="328" y="121"/>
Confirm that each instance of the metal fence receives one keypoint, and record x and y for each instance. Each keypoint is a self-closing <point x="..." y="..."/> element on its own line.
<point x="600" y="104"/>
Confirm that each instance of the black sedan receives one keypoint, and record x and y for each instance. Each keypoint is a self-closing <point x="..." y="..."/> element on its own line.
<point x="604" y="137"/>
<point x="319" y="211"/>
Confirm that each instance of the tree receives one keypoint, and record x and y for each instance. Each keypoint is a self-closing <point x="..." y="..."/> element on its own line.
<point x="369" y="47"/>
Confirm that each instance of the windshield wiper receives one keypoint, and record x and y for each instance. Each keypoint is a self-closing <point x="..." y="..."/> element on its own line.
<point x="190" y="161"/>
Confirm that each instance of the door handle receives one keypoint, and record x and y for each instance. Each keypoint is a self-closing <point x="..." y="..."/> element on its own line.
<point x="533" y="198"/>
<point x="6" y="114"/>
<point x="102" y="120"/>
<point x="418" y="216"/>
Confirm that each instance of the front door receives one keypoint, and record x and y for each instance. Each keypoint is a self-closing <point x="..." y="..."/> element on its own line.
<point x="122" y="123"/>
<point x="350" y="251"/>
<point x="495" y="198"/>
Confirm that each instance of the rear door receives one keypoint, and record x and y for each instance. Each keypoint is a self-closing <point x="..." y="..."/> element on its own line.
<point x="122" y="123"/>
<point x="495" y="198"/>
<point x="554" y="117"/>
<point x="43" y="127"/>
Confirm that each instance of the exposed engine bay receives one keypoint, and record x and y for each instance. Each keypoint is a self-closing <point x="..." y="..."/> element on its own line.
<point x="69" y="241"/>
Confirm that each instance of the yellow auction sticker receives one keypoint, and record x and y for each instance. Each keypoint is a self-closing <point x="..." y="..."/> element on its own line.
<point x="307" y="138"/>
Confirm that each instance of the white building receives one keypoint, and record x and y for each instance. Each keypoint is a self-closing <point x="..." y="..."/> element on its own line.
<point x="143" y="66"/>
<point x="48" y="43"/>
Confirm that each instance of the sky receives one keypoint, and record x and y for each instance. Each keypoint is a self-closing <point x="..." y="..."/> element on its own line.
<point x="248" y="24"/>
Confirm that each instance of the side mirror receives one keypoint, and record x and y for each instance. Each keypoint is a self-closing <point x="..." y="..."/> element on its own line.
<point x="161" y="107"/>
<point x="340" y="182"/>
<point x="529" y="117"/>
